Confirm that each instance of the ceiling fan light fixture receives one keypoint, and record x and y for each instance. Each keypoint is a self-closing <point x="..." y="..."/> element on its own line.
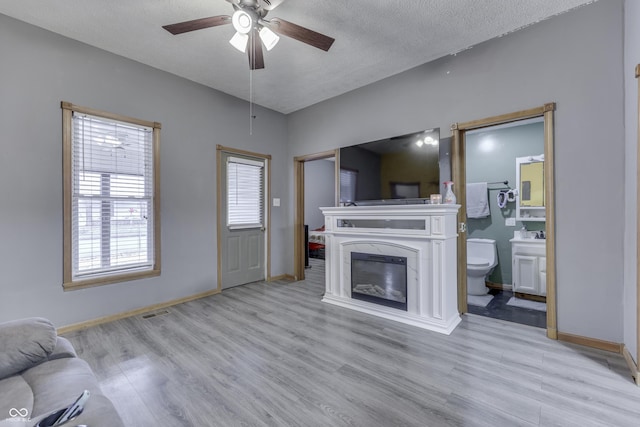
<point x="242" y="21"/>
<point x="239" y="41"/>
<point x="248" y="20"/>
<point x="269" y="38"/>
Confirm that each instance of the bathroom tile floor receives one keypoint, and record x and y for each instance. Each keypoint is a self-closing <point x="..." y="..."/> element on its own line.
<point x="498" y="309"/>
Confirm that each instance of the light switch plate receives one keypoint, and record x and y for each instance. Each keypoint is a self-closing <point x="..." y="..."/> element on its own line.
<point x="510" y="222"/>
<point x="276" y="202"/>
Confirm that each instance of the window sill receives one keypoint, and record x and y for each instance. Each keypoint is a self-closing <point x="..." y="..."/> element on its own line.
<point x="107" y="280"/>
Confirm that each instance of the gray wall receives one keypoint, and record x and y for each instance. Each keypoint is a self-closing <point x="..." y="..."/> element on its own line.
<point x="574" y="59"/>
<point x="631" y="59"/>
<point x="319" y="190"/>
<point x="40" y="69"/>
<point x="490" y="157"/>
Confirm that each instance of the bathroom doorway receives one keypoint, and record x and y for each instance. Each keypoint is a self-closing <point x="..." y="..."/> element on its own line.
<point x="499" y="158"/>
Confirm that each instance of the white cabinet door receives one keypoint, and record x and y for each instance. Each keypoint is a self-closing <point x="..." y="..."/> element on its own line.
<point x="525" y="274"/>
<point x="542" y="285"/>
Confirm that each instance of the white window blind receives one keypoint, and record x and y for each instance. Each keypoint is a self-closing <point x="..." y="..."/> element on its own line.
<point x="112" y="197"/>
<point x="245" y="199"/>
<point x="348" y="181"/>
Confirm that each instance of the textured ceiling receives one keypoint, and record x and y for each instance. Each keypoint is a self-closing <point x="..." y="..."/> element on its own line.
<point x="374" y="39"/>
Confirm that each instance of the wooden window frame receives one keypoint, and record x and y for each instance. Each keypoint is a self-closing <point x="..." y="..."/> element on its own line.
<point x="69" y="283"/>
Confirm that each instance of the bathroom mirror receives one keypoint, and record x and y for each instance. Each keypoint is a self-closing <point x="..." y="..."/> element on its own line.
<point x="401" y="169"/>
<point x="530" y="198"/>
<point x="532" y="184"/>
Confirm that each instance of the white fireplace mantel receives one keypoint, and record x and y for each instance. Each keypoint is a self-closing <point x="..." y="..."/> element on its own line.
<point x="424" y="234"/>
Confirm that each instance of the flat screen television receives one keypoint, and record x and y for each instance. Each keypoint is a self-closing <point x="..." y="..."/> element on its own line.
<point x="401" y="169"/>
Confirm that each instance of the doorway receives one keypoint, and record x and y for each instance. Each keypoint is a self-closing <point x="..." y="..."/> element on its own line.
<point x="300" y="244"/>
<point x="459" y="175"/>
<point x="243" y="217"/>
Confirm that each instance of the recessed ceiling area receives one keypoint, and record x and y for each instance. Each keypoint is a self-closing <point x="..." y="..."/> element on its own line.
<point x="374" y="39"/>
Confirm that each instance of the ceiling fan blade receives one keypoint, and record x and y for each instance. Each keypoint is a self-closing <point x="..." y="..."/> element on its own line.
<point x="254" y="49"/>
<point x="270" y="4"/>
<point x="302" y="34"/>
<point x="197" y="24"/>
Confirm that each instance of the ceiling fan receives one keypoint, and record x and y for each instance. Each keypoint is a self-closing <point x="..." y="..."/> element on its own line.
<point x="252" y="28"/>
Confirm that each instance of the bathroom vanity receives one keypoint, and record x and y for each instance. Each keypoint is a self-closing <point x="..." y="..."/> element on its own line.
<point x="529" y="266"/>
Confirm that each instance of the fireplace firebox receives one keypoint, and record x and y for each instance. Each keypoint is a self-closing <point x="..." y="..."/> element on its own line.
<point x="379" y="279"/>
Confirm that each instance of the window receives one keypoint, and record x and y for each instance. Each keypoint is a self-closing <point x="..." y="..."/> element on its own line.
<point x="245" y="201"/>
<point x="111" y="187"/>
<point x="348" y="181"/>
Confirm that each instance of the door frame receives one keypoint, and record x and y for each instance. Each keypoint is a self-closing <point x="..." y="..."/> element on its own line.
<point x="267" y="211"/>
<point x="458" y="131"/>
<point x="298" y="214"/>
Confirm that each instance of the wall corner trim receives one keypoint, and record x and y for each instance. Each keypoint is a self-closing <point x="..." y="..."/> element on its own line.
<point x="633" y="367"/>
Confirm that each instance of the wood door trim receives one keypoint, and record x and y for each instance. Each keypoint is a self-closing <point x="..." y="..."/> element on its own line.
<point x="316" y="156"/>
<point x="458" y="131"/>
<point x="459" y="175"/>
<point x="550" y="222"/>
<point x="505" y="118"/>
<point x="298" y="215"/>
<point x="267" y="157"/>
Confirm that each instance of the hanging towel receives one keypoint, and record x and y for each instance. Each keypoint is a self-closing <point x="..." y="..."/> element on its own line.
<point x="477" y="200"/>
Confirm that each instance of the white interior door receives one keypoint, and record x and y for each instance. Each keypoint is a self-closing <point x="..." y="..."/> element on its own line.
<point x="242" y="219"/>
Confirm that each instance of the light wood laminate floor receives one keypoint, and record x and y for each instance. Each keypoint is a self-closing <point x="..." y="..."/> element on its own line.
<point x="275" y="355"/>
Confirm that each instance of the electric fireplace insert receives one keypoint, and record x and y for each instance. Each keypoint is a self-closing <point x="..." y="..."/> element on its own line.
<point x="380" y="279"/>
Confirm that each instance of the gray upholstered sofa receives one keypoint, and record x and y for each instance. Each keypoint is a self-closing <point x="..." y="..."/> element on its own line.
<point x="40" y="373"/>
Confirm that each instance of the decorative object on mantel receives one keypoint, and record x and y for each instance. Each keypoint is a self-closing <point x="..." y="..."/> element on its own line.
<point x="449" y="196"/>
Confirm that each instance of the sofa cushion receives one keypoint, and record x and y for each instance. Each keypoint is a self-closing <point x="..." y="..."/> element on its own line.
<point x="24" y="344"/>
<point x="63" y="349"/>
<point x="58" y="383"/>
<point x="15" y="395"/>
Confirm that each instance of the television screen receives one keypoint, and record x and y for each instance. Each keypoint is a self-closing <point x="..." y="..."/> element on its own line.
<point x="403" y="167"/>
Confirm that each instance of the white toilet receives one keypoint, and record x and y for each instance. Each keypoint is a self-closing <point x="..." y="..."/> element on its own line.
<point x="482" y="257"/>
